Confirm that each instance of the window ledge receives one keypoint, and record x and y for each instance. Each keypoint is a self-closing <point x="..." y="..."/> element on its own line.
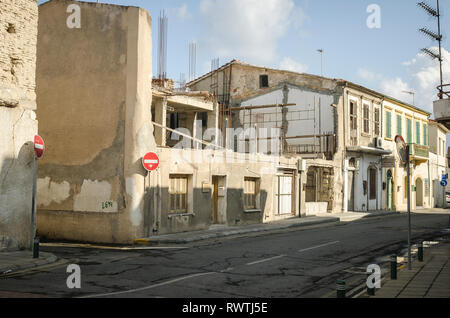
<point x="172" y="215"/>
<point x="252" y="211"/>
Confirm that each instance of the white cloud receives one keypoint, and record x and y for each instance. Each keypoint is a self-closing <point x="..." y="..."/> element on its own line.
<point x="395" y="88"/>
<point x="183" y="12"/>
<point x="289" y="64"/>
<point x="366" y="74"/>
<point x="249" y="29"/>
<point x="423" y="78"/>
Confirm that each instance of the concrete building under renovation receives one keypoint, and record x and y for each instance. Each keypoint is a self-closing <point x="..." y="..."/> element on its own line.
<point x="304" y="108"/>
<point x="18" y="124"/>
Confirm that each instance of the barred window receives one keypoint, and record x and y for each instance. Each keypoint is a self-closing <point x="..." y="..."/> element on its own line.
<point x="178" y="190"/>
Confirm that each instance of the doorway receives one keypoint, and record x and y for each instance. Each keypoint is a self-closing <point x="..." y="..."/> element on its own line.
<point x="419" y="192"/>
<point x="372" y="198"/>
<point x="219" y="200"/>
<point x="351" y="191"/>
<point x="389" y="188"/>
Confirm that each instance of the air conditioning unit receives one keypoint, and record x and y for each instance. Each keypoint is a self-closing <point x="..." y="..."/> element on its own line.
<point x="301" y="165"/>
<point x="379" y="142"/>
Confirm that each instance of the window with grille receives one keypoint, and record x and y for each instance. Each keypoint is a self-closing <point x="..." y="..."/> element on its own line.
<point x="376" y="116"/>
<point x="366" y="118"/>
<point x="250" y="193"/>
<point x="178" y="191"/>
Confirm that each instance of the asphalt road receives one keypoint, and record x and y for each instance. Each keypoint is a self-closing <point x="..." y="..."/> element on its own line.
<point x="290" y="263"/>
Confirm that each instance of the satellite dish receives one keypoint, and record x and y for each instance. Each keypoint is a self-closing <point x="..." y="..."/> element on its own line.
<point x="401" y="148"/>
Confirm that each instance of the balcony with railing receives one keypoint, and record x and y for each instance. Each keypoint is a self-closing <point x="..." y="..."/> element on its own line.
<point x="419" y="153"/>
<point x="320" y="145"/>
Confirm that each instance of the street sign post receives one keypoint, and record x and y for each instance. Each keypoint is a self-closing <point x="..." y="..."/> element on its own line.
<point x="403" y="152"/>
<point x="150" y="161"/>
<point x="39" y="148"/>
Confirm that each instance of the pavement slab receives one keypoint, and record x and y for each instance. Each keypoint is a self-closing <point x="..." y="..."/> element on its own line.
<point x="19" y="260"/>
<point x="428" y="279"/>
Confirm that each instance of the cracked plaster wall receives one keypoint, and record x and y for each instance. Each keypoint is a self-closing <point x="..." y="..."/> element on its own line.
<point x="18" y="124"/>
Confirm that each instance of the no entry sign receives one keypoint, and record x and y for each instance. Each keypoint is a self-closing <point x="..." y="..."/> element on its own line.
<point x="39" y="146"/>
<point x="150" y="161"/>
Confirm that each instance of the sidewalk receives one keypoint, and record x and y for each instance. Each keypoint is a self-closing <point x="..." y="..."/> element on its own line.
<point x="20" y="260"/>
<point x="224" y="231"/>
<point x="353" y="216"/>
<point x="427" y="279"/>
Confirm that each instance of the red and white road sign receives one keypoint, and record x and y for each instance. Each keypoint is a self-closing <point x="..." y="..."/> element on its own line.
<point x="150" y="161"/>
<point x="39" y="146"/>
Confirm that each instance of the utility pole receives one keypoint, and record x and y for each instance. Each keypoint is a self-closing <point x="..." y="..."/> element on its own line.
<point x="321" y="61"/>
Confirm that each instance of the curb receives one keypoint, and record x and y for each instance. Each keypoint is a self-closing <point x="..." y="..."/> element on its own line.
<point x="48" y="259"/>
<point x="231" y="232"/>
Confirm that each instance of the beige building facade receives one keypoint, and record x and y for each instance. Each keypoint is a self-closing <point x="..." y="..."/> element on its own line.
<point x="438" y="163"/>
<point x="18" y="124"/>
<point x="412" y="124"/>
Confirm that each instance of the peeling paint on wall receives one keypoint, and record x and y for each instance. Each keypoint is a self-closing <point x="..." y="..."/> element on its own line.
<point x="49" y="191"/>
<point x="92" y="196"/>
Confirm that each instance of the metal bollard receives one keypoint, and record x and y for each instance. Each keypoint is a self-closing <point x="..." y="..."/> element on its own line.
<point x="420" y="251"/>
<point x="394" y="266"/>
<point x="340" y="289"/>
<point x="36" y="247"/>
<point x="370" y="291"/>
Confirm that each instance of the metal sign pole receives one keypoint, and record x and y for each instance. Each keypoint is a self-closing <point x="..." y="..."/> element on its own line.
<point x="408" y="172"/>
<point x="33" y="203"/>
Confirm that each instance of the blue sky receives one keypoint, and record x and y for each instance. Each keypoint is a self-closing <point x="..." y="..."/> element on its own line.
<point x="287" y="33"/>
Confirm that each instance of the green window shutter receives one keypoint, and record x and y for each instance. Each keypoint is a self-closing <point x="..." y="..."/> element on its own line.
<point x="388" y="125"/>
<point x="399" y="125"/>
<point x="425" y="135"/>
<point x="417" y="133"/>
<point x="408" y="131"/>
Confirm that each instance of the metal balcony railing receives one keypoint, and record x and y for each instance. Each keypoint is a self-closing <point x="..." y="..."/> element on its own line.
<point x="417" y="150"/>
<point x="444" y="90"/>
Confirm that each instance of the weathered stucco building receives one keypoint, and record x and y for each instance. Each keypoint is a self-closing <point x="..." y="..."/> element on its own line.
<point x="94" y="71"/>
<point x="343" y="131"/>
<point x="18" y="124"/>
<point x="304" y="107"/>
<point x="100" y="115"/>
